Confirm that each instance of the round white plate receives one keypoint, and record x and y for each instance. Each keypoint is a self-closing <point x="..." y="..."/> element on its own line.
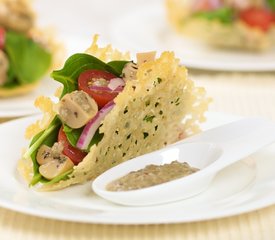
<point x="243" y="187"/>
<point x="24" y="104"/>
<point x="147" y="29"/>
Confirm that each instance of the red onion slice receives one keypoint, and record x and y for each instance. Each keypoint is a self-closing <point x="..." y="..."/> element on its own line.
<point x="106" y="89"/>
<point x="115" y="83"/>
<point x="99" y="88"/>
<point x="91" y="127"/>
<point x="204" y="5"/>
<point x="215" y="4"/>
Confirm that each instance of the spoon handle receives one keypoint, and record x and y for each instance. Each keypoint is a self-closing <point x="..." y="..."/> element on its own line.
<point x="238" y="139"/>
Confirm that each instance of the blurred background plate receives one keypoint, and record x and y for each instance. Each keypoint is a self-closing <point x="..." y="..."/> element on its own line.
<point x="69" y="32"/>
<point x="147" y="29"/>
<point x="24" y="104"/>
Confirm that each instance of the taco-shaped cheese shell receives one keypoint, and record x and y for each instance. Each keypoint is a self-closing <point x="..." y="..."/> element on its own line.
<point x="158" y="108"/>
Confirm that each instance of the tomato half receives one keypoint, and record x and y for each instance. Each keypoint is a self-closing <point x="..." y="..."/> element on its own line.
<point x="75" y="154"/>
<point x="2" y="37"/>
<point x="94" y="82"/>
<point x="257" y="17"/>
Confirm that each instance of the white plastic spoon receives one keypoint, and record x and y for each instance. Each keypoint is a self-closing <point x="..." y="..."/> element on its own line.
<point x="210" y="151"/>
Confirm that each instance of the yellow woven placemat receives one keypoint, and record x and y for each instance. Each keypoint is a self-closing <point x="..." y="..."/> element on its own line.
<point x="257" y="225"/>
<point x="245" y="94"/>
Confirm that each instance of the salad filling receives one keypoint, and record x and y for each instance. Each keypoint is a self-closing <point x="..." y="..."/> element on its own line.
<point x="83" y="105"/>
<point x="23" y="59"/>
<point x="247" y="24"/>
<point x="255" y="14"/>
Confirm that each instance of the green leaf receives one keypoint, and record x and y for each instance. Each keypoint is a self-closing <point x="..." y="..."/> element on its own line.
<point x="37" y="177"/>
<point x="72" y="134"/>
<point x="80" y="62"/>
<point x="58" y="178"/>
<point x="271" y="4"/>
<point x="42" y="137"/>
<point x="96" y="139"/>
<point x="47" y="137"/>
<point x="224" y="15"/>
<point x="117" y="66"/>
<point x="11" y="80"/>
<point x="77" y="64"/>
<point x="49" y="142"/>
<point x="28" y="60"/>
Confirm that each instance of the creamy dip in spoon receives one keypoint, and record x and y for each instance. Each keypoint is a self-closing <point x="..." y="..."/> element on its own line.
<point x="210" y="151"/>
<point x="151" y="175"/>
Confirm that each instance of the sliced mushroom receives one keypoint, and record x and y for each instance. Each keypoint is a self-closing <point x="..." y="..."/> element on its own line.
<point x="44" y="155"/>
<point x="129" y="71"/>
<point x="145" y="57"/>
<point x="76" y="108"/>
<point x="16" y="15"/>
<point x="56" y="167"/>
<point x="57" y="149"/>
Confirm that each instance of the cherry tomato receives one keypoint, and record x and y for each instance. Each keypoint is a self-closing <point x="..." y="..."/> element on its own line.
<point x="257" y="17"/>
<point x="75" y="154"/>
<point x="2" y="37"/>
<point x="94" y="82"/>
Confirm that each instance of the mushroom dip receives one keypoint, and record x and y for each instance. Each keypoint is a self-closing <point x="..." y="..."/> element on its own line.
<point x="151" y="175"/>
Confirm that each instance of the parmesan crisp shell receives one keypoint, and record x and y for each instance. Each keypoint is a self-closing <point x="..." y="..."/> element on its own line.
<point x="151" y="112"/>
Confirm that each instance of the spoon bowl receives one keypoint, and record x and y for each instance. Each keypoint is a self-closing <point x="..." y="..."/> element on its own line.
<point x="210" y="151"/>
<point x="193" y="153"/>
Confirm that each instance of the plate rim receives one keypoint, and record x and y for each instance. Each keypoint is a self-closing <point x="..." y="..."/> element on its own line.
<point x="29" y="98"/>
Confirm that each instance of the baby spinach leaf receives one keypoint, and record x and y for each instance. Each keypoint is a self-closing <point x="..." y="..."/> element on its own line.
<point x="47" y="137"/>
<point x="96" y="139"/>
<point x="43" y="136"/>
<point x="11" y="80"/>
<point x="63" y="176"/>
<point x="74" y="65"/>
<point x="271" y="4"/>
<point x="72" y="134"/>
<point x="224" y="15"/>
<point x="117" y="66"/>
<point x="77" y="64"/>
<point x="28" y="60"/>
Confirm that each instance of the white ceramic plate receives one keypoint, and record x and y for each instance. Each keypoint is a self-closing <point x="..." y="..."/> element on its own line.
<point x="147" y="29"/>
<point x="24" y="104"/>
<point x="243" y="187"/>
